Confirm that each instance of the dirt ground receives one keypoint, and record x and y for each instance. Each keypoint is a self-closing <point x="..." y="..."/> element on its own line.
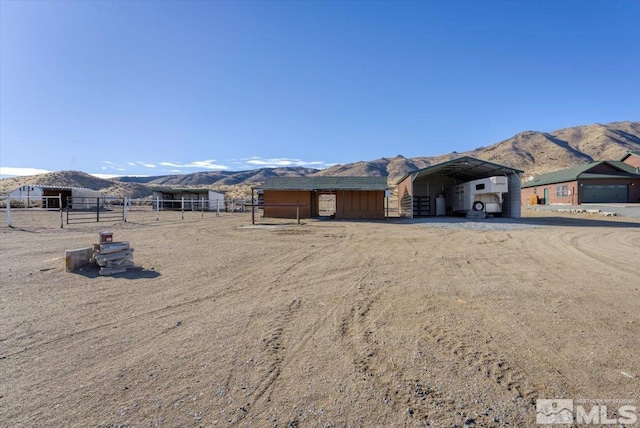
<point x="329" y="323"/>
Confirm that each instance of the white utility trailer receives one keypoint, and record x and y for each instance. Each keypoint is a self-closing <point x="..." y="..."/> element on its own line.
<point x="484" y="194"/>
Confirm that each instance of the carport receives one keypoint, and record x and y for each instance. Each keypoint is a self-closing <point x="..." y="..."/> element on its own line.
<point x="417" y="190"/>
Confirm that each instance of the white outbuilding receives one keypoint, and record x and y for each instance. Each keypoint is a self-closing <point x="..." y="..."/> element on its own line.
<point x="54" y="197"/>
<point x="194" y="199"/>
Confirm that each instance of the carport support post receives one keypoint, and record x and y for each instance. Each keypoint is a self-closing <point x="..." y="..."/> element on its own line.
<point x="344" y="204"/>
<point x="60" y="205"/>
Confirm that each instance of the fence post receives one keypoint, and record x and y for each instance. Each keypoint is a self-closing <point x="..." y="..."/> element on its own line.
<point x="97" y="209"/>
<point x="182" y="209"/>
<point x="60" y="205"/>
<point x="217" y="207"/>
<point x="202" y="207"/>
<point x="298" y="213"/>
<point x="68" y="201"/>
<point x="124" y="209"/>
<point x="9" y="211"/>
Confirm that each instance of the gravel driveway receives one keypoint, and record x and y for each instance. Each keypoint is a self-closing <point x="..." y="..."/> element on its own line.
<point x="622" y="210"/>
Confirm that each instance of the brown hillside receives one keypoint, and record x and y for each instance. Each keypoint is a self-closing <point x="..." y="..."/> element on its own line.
<point x="76" y="179"/>
<point x="531" y="151"/>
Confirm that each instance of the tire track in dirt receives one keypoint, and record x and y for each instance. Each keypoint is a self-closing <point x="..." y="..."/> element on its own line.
<point x="135" y="318"/>
<point x="580" y="244"/>
<point x="273" y="347"/>
<point x="276" y="353"/>
<point x="485" y="360"/>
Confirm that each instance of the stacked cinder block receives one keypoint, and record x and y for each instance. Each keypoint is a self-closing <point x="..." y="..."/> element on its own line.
<point x="113" y="257"/>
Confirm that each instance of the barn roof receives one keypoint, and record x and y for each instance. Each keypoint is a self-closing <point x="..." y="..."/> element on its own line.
<point x="167" y="189"/>
<point x="54" y="187"/>
<point x="325" y="183"/>
<point x="464" y="168"/>
<point x="582" y="171"/>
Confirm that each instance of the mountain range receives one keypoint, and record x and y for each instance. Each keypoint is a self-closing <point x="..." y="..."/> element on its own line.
<point x="531" y="151"/>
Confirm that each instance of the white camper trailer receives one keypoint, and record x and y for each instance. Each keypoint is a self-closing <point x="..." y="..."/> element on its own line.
<point x="484" y="194"/>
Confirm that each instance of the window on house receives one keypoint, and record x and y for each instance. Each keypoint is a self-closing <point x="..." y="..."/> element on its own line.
<point x="562" y="190"/>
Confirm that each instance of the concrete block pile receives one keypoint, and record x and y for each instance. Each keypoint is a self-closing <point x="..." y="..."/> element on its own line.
<point x="112" y="257"/>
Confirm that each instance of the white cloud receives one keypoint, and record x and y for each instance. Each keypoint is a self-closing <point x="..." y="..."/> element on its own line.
<point x="284" y="162"/>
<point x="148" y="165"/>
<point x="131" y="163"/>
<point x="205" y="164"/>
<point x="105" y="176"/>
<point x="13" y="172"/>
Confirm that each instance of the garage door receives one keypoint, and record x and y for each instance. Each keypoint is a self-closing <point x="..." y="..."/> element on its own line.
<point x="595" y="193"/>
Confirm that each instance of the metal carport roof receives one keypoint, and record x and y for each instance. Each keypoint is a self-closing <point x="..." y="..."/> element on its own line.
<point x="464" y="168"/>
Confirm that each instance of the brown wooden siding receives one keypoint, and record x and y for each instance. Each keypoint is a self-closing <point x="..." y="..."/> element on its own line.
<point x="350" y="204"/>
<point x="286" y="197"/>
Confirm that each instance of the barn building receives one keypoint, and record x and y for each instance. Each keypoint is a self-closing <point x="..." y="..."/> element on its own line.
<point x="353" y="197"/>
<point x="592" y="182"/>
<point x="168" y="198"/>
<point x="418" y="190"/>
<point x="48" y="196"/>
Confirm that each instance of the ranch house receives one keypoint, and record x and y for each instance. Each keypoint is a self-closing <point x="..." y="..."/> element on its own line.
<point x="592" y="182"/>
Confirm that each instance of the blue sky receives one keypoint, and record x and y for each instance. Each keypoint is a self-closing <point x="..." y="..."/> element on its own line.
<point x="162" y="87"/>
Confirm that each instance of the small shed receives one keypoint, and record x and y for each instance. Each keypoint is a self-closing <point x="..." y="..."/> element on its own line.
<point x="168" y="198"/>
<point x="592" y="182"/>
<point x="417" y="190"/>
<point x="48" y="197"/>
<point x="353" y="197"/>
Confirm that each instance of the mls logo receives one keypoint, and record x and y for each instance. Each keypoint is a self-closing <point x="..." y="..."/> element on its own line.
<point x="555" y="411"/>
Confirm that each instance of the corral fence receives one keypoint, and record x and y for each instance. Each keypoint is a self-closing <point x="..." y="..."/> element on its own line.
<point x="202" y="205"/>
<point x="48" y="210"/>
<point x="42" y="204"/>
<point x="80" y="209"/>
